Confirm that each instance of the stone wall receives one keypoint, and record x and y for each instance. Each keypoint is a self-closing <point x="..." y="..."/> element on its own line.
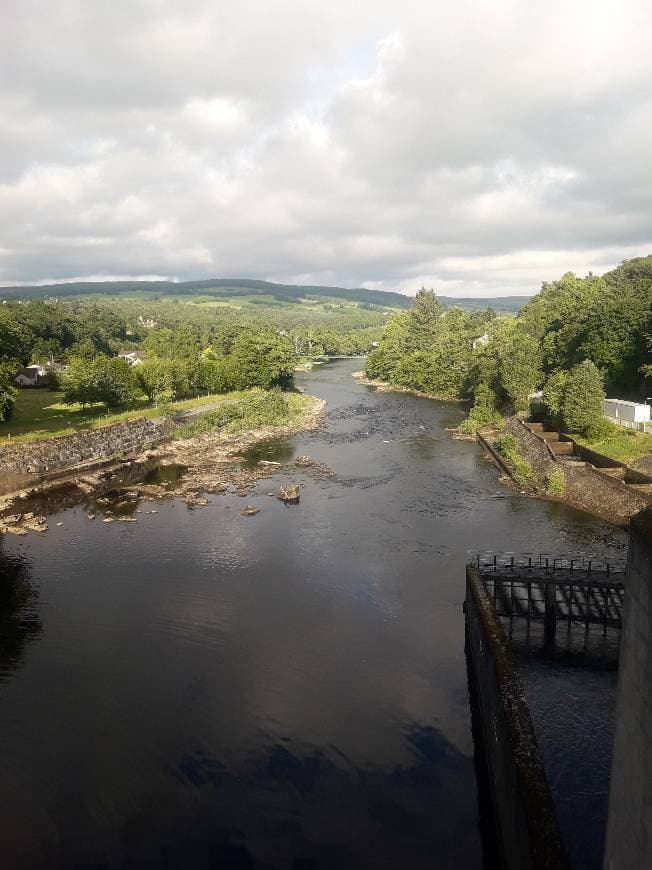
<point x="525" y="819"/>
<point x="586" y="488"/>
<point x="69" y="450"/>
<point x="629" y="828"/>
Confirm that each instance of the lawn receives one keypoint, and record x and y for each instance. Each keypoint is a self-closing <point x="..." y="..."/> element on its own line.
<point x="40" y="414"/>
<point x="624" y="445"/>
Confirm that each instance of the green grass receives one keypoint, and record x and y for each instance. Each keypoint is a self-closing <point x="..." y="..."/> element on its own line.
<point x="252" y="410"/>
<point x="556" y="482"/>
<point x="41" y="414"/>
<point x="624" y="445"/>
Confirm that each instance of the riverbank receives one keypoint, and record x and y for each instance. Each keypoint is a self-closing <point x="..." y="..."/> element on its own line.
<point x="582" y="486"/>
<point x="568" y="480"/>
<point x="211" y="463"/>
<point x="385" y="387"/>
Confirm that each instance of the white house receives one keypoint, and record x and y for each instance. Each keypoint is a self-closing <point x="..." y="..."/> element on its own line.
<point x="30" y="375"/>
<point x="130" y="357"/>
<point x="480" y="342"/>
<point x="630" y="412"/>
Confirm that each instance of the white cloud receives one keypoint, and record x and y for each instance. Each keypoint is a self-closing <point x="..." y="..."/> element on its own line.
<point x="478" y="147"/>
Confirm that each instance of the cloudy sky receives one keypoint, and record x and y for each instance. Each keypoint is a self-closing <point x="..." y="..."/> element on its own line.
<point x="477" y="147"/>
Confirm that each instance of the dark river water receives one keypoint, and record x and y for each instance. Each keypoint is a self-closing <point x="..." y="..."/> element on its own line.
<point x="204" y="690"/>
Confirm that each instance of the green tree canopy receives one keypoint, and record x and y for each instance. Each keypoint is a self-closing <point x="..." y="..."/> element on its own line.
<point x="581" y="403"/>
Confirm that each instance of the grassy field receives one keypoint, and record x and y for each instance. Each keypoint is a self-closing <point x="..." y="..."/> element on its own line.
<point x="624" y="445"/>
<point x="40" y="414"/>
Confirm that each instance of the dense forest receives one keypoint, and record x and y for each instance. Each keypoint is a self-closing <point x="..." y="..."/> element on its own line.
<point x="576" y="337"/>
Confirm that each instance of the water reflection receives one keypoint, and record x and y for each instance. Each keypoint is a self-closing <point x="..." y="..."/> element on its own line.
<point x="292" y="807"/>
<point x="19" y="620"/>
<point x="269" y="451"/>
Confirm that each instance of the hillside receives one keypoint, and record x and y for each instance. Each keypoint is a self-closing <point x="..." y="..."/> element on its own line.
<point x="245" y="291"/>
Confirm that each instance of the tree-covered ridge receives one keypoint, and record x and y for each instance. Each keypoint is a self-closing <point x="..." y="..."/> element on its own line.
<point x="249" y="292"/>
<point x="218" y="287"/>
<point x="576" y="336"/>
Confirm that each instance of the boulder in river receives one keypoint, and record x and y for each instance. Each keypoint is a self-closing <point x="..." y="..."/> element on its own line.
<point x="289" y="494"/>
<point x="250" y="511"/>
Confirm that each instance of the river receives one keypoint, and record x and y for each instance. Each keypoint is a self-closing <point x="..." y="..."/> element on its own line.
<point x="203" y="690"/>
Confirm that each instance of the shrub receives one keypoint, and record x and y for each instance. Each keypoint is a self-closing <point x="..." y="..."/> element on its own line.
<point x="480" y="417"/>
<point x="599" y="429"/>
<point x="523" y="472"/>
<point x="555" y="482"/>
<point x="257" y="409"/>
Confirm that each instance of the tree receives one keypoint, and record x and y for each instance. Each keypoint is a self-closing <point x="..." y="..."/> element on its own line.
<point x="8" y="391"/>
<point x="519" y="367"/>
<point x="103" y="380"/>
<point x="581" y="404"/>
<point x="214" y="375"/>
<point x="393" y="345"/>
<point x="114" y="381"/>
<point x="260" y="359"/>
<point x="553" y="394"/>
<point x="423" y="320"/>
<point x="156" y="375"/>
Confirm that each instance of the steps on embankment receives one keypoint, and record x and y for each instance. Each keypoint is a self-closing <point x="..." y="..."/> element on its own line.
<point x="567" y="451"/>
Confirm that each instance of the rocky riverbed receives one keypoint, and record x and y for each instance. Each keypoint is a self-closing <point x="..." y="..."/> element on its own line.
<point x="192" y="469"/>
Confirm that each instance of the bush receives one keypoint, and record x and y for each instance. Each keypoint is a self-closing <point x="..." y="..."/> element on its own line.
<point x="252" y="411"/>
<point x="523" y="472"/>
<point x="599" y="429"/>
<point x="481" y="417"/>
<point x="555" y="482"/>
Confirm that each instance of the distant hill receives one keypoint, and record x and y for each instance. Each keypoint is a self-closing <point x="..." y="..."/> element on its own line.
<point x="234" y="287"/>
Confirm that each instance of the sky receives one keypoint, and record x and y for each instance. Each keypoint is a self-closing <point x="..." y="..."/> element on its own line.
<point x="479" y="148"/>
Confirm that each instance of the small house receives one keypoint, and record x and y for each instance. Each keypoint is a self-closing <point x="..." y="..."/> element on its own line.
<point x="130" y="357"/>
<point x="31" y="376"/>
<point x="481" y="341"/>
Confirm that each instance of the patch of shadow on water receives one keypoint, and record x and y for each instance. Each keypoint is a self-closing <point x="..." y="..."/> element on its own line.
<point x="110" y="493"/>
<point x="276" y="450"/>
<point x="20" y="623"/>
<point x="164" y="475"/>
<point x="407" y="806"/>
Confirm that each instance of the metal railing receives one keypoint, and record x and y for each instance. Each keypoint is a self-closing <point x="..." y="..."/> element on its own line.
<point x="488" y="561"/>
<point x="582" y="588"/>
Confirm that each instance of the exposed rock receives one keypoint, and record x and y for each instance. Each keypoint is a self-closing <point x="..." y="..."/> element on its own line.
<point x="305" y="461"/>
<point x="250" y="511"/>
<point x="289" y="494"/>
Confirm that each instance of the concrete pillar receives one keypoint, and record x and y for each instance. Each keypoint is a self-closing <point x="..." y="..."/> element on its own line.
<point x="629" y="826"/>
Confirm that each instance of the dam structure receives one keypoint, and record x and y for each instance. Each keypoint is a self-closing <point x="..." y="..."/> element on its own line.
<point x="543" y="646"/>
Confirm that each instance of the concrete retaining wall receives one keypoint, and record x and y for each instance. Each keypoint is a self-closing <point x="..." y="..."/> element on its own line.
<point x="68" y="450"/>
<point x="525" y="818"/>
<point x="629" y="828"/>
